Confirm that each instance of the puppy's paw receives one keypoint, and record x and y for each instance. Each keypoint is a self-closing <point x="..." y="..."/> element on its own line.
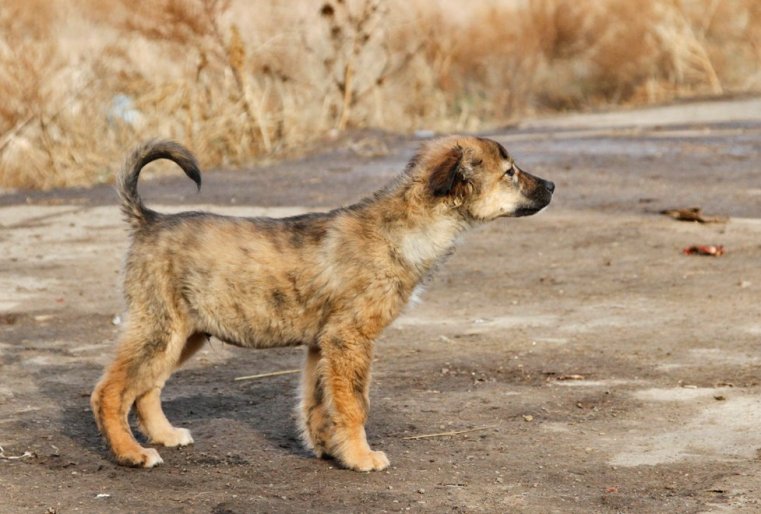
<point x="152" y="458"/>
<point x="175" y="437"/>
<point x="319" y="451"/>
<point x="367" y="461"/>
<point x="143" y="458"/>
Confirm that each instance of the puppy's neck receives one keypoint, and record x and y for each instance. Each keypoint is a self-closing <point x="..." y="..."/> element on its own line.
<point x="421" y="231"/>
<point x="425" y="244"/>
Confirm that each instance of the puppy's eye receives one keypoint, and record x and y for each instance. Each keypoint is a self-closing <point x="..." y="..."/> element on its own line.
<point x="510" y="171"/>
<point x="477" y="162"/>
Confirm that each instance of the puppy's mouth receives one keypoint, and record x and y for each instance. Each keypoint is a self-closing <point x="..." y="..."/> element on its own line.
<point x="528" y="211"/>
<point x="536" y="204"/>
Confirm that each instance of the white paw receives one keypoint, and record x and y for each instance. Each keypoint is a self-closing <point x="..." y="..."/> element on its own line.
<point x="380" y="461"/>
<point x="370" y="461"/>
<point x="177" y="437"/>
<point x="151" y="458"/>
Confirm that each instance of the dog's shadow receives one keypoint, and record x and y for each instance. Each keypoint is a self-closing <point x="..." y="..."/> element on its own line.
<point x="74" y="434"/>
<point x="231" y="413"/>
<point x="224" y="415"/>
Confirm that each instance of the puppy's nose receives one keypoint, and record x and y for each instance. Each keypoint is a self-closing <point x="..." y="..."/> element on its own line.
<point x="550" y="186"/>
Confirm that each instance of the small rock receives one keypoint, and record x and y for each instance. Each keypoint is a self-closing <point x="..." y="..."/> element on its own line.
<point x="528" y="417"/>
<point x="421" y="491"/>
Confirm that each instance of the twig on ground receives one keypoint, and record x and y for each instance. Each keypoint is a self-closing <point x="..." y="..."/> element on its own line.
<point x="443" y="434"/>
<point x="266" y="375"/>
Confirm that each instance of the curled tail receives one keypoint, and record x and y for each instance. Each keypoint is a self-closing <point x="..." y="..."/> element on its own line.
<point x="136" y="213"/>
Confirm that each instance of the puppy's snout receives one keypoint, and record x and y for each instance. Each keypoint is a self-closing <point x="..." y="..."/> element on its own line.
<point x="549" y="186"/>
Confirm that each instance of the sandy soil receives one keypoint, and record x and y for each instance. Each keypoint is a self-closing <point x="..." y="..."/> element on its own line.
<point x="597" y="368"/>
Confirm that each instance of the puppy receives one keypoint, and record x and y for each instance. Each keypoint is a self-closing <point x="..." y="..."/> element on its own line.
<point x="329" y="281"/>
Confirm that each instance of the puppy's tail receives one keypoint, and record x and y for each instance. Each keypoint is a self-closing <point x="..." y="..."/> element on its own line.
<point x="137" y="214"/>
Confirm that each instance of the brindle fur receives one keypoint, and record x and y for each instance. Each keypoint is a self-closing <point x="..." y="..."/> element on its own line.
<point x="330" y="281"/>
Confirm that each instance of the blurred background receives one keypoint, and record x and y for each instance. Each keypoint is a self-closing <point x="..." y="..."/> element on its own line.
<point x="81" y="81"/>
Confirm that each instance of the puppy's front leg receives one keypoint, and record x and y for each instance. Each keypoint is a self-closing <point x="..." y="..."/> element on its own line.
<point x="314" y="419"/>
<point x="345" y="374"/>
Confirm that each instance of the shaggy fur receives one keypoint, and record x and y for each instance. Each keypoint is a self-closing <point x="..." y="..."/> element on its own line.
<point x="330" y="281"/>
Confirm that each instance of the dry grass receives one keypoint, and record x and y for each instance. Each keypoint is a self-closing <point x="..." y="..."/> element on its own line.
<point x="83" y="80"/>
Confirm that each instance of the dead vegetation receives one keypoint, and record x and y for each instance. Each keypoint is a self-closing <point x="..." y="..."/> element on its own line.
<point x="83" y="80"/>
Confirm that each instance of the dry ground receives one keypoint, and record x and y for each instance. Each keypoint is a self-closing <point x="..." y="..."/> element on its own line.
<point x="606" y="371"/>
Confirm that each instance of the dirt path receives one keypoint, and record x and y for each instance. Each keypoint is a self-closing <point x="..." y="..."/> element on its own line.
<point x="604" y="370"/>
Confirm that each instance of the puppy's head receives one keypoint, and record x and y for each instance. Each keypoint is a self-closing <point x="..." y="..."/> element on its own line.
<point x="479" y="178"/>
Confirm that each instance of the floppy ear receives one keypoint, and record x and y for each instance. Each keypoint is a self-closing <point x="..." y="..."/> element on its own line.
<point x="445" y="172"/>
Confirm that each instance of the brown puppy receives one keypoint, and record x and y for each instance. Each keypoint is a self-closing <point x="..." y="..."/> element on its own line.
<point x="330" y="281"/>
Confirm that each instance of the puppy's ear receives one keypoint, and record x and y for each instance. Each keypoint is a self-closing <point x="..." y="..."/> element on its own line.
<point x="445" y="172"/>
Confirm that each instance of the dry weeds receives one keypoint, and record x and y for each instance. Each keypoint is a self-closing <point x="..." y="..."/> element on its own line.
<point x="83" y="80"/>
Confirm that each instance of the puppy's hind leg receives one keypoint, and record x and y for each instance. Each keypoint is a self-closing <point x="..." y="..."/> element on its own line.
<point x="129" y="376"/>
<point x="153" y="421"/>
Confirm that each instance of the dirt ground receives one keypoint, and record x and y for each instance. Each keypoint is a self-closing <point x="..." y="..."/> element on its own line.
<point x="596" y="367"/>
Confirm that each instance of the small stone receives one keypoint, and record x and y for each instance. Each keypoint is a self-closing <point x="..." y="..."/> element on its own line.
<point x="528" y="417"/>
<point x="421" y="491"/>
